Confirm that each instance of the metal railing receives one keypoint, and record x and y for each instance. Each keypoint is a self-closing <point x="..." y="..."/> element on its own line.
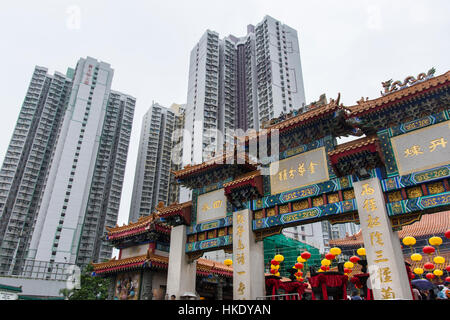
<point x="34" y="269"/>
<point x="289" y="296"/>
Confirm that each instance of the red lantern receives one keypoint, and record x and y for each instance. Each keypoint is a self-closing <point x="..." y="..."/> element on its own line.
<point x="329" y="256"/>
<point x="299" y="274"/>
<point x="324" y="268"/>
<point x="306" y="255"/>
<point x="428" y="250"/>
<point x="412" y="276"/>
<point x="354" y="259"/>
<point x="273" y="271"/>
<point x="447" y="234"/>
<point x="347" y="270"/>
<point x="428" y="266"/>
<point x="430" y="276"/>
<point x="298" y="265"/>
<point x="447" y="279"/>
<point x="447" y="268"/>
<point x="300" y="279"/>
<point x="275" y="262"/>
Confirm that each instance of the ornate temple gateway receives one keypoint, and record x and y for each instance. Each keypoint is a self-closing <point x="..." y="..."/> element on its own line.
<point x="397" y="170"/>
<point x="140" y="272"/>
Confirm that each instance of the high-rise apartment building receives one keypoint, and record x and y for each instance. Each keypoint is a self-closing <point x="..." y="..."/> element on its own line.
<point x="152" y="176"/>
<point x="64" y="168"/>
<point x="27" y="162"/>
<point x="240" y="83"/>
<point x="177" y="151"/>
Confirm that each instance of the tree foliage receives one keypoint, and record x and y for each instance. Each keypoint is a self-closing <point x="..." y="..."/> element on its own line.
<point x="91" y="287"/>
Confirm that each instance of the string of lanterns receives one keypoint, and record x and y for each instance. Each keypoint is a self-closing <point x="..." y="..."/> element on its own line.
<point x="433" y="267"/>
<point x="435" y="264"/>
<point x="275" y="265"/>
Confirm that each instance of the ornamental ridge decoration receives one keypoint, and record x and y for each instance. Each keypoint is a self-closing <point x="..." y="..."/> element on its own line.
<point x="390" y="86"/>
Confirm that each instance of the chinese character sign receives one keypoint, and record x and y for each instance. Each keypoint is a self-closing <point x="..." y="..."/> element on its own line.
<point x="304" y="169"/>
<point x="241" y="263"/>
<point x="386" y="266"/>
<point x="211" y="206"/>
<point x="422" y="149"/>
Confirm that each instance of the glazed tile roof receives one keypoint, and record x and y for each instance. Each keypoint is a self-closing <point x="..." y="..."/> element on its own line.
<point x="142" y="222"/>
<point x="121" y="264"/>
<point x="302" y="119"/>
<point x="204" y="266"/>
<point x="223" y="159"/>
<point x="371" y="105"/>
<point x="243" y="178"/>
<point x="429" y="224"/>
<point x="353" y="145"/>
<point x="174" y="207"/>
<point x="133" y="228"/>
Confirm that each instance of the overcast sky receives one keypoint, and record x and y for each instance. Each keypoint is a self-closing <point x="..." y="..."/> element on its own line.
<point x="346" y="46"/>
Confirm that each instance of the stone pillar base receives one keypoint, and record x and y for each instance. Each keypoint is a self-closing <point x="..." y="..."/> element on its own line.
<point x="181" y="274"/>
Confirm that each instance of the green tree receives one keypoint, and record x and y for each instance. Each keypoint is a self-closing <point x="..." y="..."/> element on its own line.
<point x="91" y="287"/>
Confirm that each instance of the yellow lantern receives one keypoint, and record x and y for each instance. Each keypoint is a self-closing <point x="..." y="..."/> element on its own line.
<point x="416" y="257"/>
<point x="279" y="258"/>
<point x="277" y="274"/>
<point x="276" y="267"/>
<point x="439" y="260"/>
<point x="320" y="270"/>
<point x="228" y="262"/>
<point x="335" y="251"/>
<point x="349" y="265"/>
<point x="361" y="252"/>
<point x="325" y="262"/>
<point x="409" y="241"/>
<point x="300" y="259"/>
<point x="435" y="241"/>
<point x="438" y="272"/>
<point x="418" y="271"/>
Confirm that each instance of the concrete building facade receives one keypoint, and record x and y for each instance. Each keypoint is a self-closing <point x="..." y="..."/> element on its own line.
<point x="240" y="83"/>
<point x="152" y="178"/>
<point x="78" y="170"/>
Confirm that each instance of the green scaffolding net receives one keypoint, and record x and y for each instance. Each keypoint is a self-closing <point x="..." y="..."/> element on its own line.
<point x="290" y="249"/>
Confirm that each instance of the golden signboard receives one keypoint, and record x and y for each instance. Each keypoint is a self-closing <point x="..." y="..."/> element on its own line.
<point x="422" y="149"/>
<point x="211" y="206"/>
<point x="294" y="172"/>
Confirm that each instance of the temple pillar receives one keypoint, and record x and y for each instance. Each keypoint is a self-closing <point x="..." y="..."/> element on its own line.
<point x="219" y="292"/>
<point x="146" y="285"/>
<point x="111" y="287"/>
<point x="181" y="273"/>
<point x="248" y="259"/>
<point x="385" y="261"/>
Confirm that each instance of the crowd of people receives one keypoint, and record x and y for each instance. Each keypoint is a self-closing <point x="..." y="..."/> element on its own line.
<point x="440" y="292"/>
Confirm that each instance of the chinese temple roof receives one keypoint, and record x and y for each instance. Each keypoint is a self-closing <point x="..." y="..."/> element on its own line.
<point x="244" y="178"/>
<point x="144" y="224"/>
<point x="353" y="146"/>
<point x="173" y="208"/>
<point x="226" y="165"/>
<point x="204" y="266"/>
<point x="348" y="157"/>
<point x="180" y="210"/>
<point x="244" y="188"/>
<point x="228" y="158"/>
<point x="417" y="88"/>
<point x="288" y="122"/>
<point x="430" y="224"/>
